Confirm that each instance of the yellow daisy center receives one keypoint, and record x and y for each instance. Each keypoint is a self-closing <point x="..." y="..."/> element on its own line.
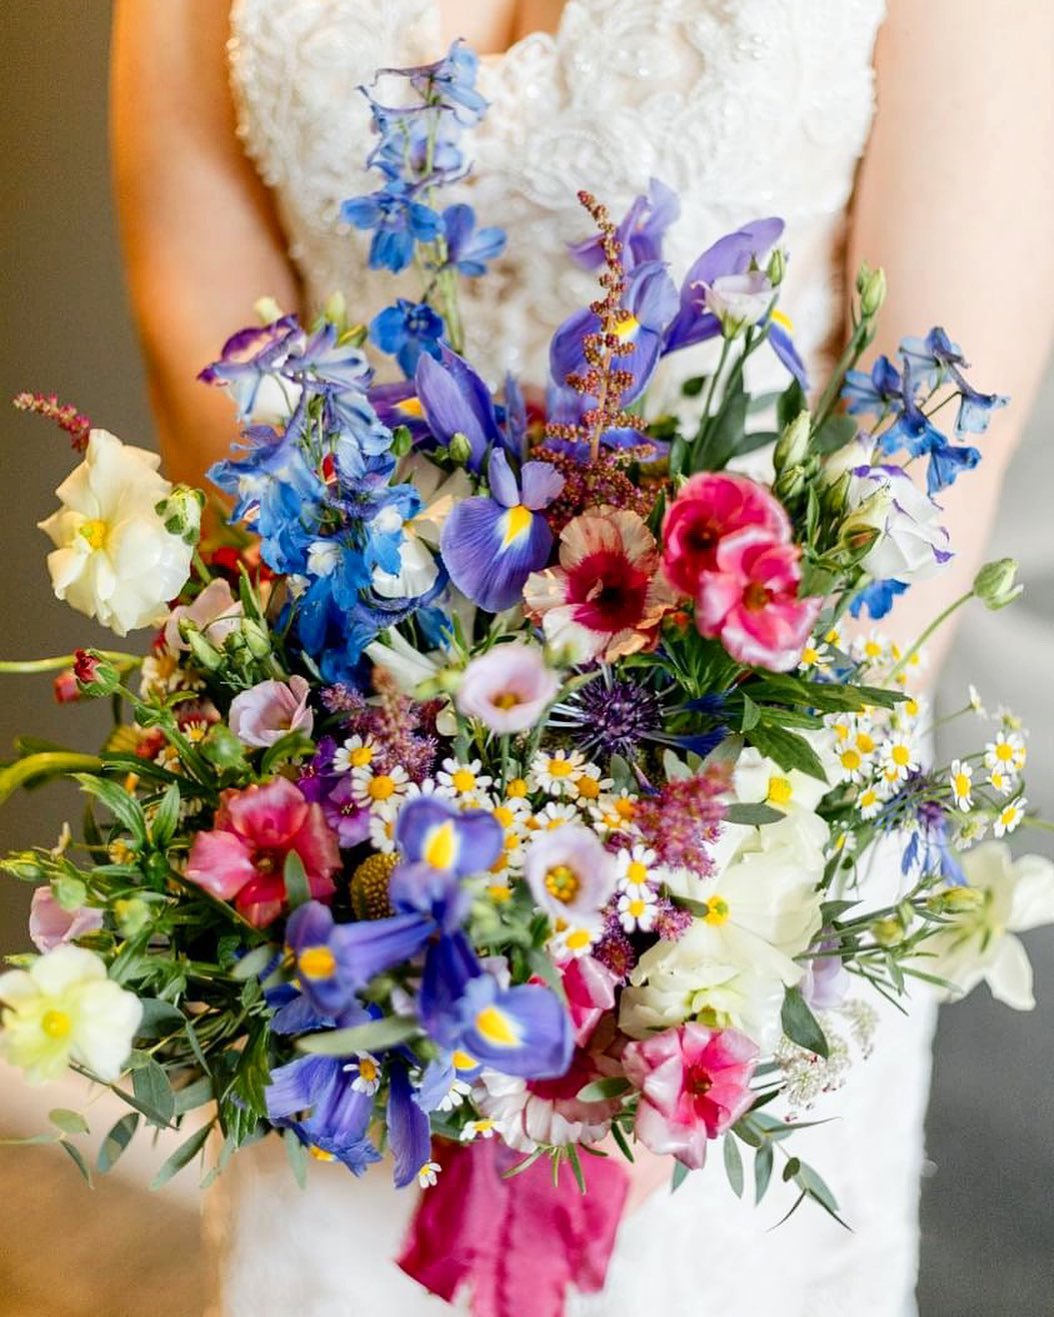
<point x="463" y="780"/>
<point x="961" y="783"/>
<point x="578" y="939"/>
<point x="559" y="768"/>
<point x="851" y="759"/>
<point x="368" y="1069"/>
<point x="636" y="872"/>
<point x="361" y="756"/>
<point x="901" y="756"/>
<point x="381" y="787"/>
<point x="516" y="789"/>
<point x="588" y="788"/>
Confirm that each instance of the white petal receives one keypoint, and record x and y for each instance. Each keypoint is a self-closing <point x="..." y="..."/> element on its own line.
<point x="1033" y="900"/>
<point x="1009" y="974"/>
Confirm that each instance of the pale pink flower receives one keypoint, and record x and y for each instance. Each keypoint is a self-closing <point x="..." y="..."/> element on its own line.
<point x="532" y="1112"/>
<point x="270" y="710"/>
<point x="215" y="613"/>
<point x="50" y="925"/>
<point x="508" y="688"/>
<point x="750" y="601"/>
<point x="711" y="506"/>
<point x="571" y="875"/>
<point x="243" y="857"/>
<point x="694" y="1084"/>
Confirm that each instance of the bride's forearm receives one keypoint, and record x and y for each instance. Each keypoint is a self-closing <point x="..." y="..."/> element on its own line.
<point x="954" y="200"/>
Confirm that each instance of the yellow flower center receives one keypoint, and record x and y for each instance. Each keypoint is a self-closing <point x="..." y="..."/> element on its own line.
<point x="637" y="907"/>
<point x="499" y="894"/>
<point x="625" y="808"/>
<point x="464" y="780"/>
<point x="561" y="882"/>
<point x="588" y="788"/>
<point x="320" y="1154"/>
<point x="578" y="939"/>
<point x="317" y="963"/>
<point x="1004" y="752"/>
<point x="95" y="532"/>
<point x="851" y="760"/>
<point x="506" y="700"/>
<point x="636" y="873"/>
<point x="516" y="789"/>
<point x="368" y="1069"/>
<point x="901" y="756"/>
<point x="780" y="791"/>
<point x="559" y="768"/>
<point x="865" y="742"/>
<point x="381" y="787"/>
<point x="504" y="815"/>
<point x="56" y="1024"/>
<point x="961" y="783"/>
<point x="361" y="756"/>
<point x="462" y="1061"/>
<point x="717" y="911"/>
<point x="873" y="649"/>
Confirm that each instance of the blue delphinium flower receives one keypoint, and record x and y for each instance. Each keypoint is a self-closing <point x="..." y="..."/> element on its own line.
<point x="469" y="249"/>
<point x="398" y="221"/>
<point x="450" y="82"/>
<point x="877" y="598"/>
<point x="490" y="545"/>
<point x="406" y="330"/>
<point x="874" y="392"/>
<point x="936" y="356"/>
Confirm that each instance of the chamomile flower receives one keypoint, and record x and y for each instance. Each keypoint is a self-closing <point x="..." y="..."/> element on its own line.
<point x="852" y="765"/>
<point x="519" y="788"/>
<point x="1009" y="816"/>
<point x="356" y="752"/>
<point x="454" y="1096"/>
<point x="428" y="1174"/>
<point x="637" y="910"/>
<point x="615" y="813"/>
<point x="476" y="1129"/>
<point x="555" y="815"/>
<point x="591" y="785"/>
<point x="514" y="817"/>
<point x="372" y="788"/>
<point x="1002" y="781"/>
<point x="1007" y="752"/>
<point x="974" y="698"/>
<point x="960" y="775"/>
<point x="382" y="824"/>
<point x="1010" y="720"/>
<point x="872" y="649"/>
<point x="558" y="773"/>
<point x="367" y="1070"/>
<point x="843" y="843"/>
<point x="636" y="869"/>
<point x="899" y="758"/>
<point x="816" y="656"/>
<point x="570" y="941"/>
<point x="869" y="802"/>
<point x="464" y="781"/>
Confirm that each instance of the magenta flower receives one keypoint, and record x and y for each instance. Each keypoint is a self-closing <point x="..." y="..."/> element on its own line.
<point x="50" y="925"/>
<point x="243" y="857"/>
<point x="508" y="688"/>
<point x="590" y="988"/>
<point x="270" y="710"/>
<point x="215" y="613"/>
<point x="694" y="1084"/>
<point x="710" y="507"/>
<point x="750" y="601"/>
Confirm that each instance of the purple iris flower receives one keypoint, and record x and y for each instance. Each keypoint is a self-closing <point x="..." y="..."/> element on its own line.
<point x="337" y="1115"/>
<point x="407" y="331"/>
<point x="641" y="232"/>
<point x="397" y="404"/>
<point x="409" y="1129"/>
<point x="490" y="545"/>
<point x="651" y="301"/>
<point x="430" y="830"/>
<point x="456" y="401"/>
<point x="249" y="357"/>
<point x="327" y="977"/>
<point x="469" y="249"/>
<point x="397" y="220"/>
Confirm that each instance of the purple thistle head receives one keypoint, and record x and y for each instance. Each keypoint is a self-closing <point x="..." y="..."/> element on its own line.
<point x="613" y="716"/>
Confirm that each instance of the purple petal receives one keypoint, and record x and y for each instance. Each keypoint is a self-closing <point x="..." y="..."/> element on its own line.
<point x="490" y="551"/>
<point x="409" y="1129"/>
<point x="541" y="484"/>
<point x="367" y="948"/>
<point x="519" y="1031"/>
<point x="784" y="348"/>
<point x="729" y="255"/>
<point x="651" y="295"/>
<point x="565" y="351"/>
<point x="472" y="847"/>
<point x="503" y="487"/>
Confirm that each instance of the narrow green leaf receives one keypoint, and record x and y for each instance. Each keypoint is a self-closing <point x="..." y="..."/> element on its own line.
<point x="680" y="1174"/>
<point x="296" y="1155"/>
<point x="39" y="768"/>
<point x="77" y="1157"/>
<point x="835" y="433"/>
<point x="576" y="1168"/>
<point x="119" y="1137"/>
<point x="800" y="1025"/>
<point x="763" y="1161"/>
<point x="733" y="1164"/>
<point x="253" y="962"/>
<point x="297" y="889"/>
<point x="755" y="816"/>
<point x="525" y="1165"/>
<point x="153" y="1093"/>
<point x="816" y="1187"/>
<point x="195" y="1046"/>
<point x="194" y="1095"/>
<point x="69" y="1122"/>
<point x="620" y="1139"/>
<point x="602" y="1089"/>
<point x="185" y="1153"/>
<point x="125" y="809"/>
<point x="294" y="745"/>
<point x="751" y="714"/>
<point x="376" y="1036"/>
<point x="791" y="1169"/>
<point x="166" y="818"/>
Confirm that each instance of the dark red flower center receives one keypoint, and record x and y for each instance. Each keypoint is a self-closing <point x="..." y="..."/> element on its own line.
<point x="610" y="592"/>
<point x="755" y="597"/>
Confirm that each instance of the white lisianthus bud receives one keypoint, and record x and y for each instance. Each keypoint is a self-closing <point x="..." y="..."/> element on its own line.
<point x="114" y="558"/>
<point x="739" y="300"/>
<point x="871" y="286"/>
<point x="994" y="583"/>
<point x="793" y="444"/>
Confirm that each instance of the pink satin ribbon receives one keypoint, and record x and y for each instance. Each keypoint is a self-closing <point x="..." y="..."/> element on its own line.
<point x="517" y="1243"/>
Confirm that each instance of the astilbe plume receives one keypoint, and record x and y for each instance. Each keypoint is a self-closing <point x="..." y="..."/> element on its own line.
<point x="388" y="720"/>
<point x="601" y="482"/>
<point x="65" y="416"/>
<point x="683" y="818"/>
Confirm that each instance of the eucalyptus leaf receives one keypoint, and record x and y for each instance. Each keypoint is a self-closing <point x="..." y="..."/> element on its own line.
<point x="733" y="1164"/>
<point x="297" y="888"/>
<point x="69" y="1122"/>
<point x="763" y="1163"/>
<point x="153" y="1093"/>
<point x="377" y="1036"/>
<point x="183" y="1155"/>
<point x="119" y="1137"/>
<point x="296" y="1154"/>
<point x="834" y="434"/>
<point x="800" y="1025"/>
<point x="680" y="1174"/>
<point x="254" y="962"/>
<point x="754" y="816"/>
<point x="160" y="1018"/>
<point x="77" y="1157"/>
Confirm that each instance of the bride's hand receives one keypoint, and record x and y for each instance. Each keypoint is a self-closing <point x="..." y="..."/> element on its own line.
<point x="647" y="1173"/>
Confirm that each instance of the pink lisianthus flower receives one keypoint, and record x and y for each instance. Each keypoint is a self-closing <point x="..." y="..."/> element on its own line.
<point x="750" y="601"/>
<point x="215" y="613"/>
<point x="50" y="925"/>
<point x="508" y="688"/>
<point x="243" y="858"/>
<point x="694" y="1084"/>
<point x="263" y="715"/>
<point x="571" y="875"/>
<point x="608" y="595"/>
<point x="711" y="506"/>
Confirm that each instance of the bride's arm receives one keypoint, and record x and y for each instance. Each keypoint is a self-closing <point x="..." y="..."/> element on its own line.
<point x="955" y="198"/>
<point x="200" y="239"/>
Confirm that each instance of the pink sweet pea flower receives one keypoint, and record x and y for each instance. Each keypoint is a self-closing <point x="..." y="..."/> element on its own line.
<point x="694" y="1084"/>
<point x="215" y="612"/>
<point x="50" y="925"/>
<point x="508" y="688"/>
<point x="243" y="857"/>
<point x="750" y="601"/>
<point x="263" y="715"/>
<point x="710" y="507"/>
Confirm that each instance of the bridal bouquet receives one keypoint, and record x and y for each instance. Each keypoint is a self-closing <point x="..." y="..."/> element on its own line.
<point x="493" y="797"/>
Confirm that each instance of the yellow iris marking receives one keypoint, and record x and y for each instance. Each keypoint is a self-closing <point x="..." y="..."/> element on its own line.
<point x="561" y="882"/>
<point x="717" y="911"/>
<point x="56" y="1024"/>
<point x="95" y="533"/>
<point x="361" y="756"/>
<point x="462" y="1061"/>
<point x="780" y="791"/>
<point x="497" y="1028"/>
<point x="628" y="327"/>
<point x="463" y="780"/>
<point x="781" y="318"/>
<point x="517" y="522"/>
<point x="317" y="963"/>
<point x="381" y="787"/>
<point x="320" y="1154"/>
<point x="440" y="848"/>
<point x="411" y="407"/>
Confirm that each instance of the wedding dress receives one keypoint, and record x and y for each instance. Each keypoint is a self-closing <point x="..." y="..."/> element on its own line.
<point x="747" y="108"/>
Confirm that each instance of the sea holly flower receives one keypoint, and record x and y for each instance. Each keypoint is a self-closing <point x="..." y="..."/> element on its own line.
<point x="317" y="1098"/>
<point x="491" y="545"/>
<point x="64" y="1009"/>
<point x="608" y="595"/>
<point x="641" y="231"/>
<point x="694" y="1084"/>
<point x="470" y="249"/>
<point x="508" y="688"/>
<point x="750" y="601"/>
<point x="270" y="710"/>
<point x="242" y="857"/>
<point x="114" y="559"/>
<point x="709" y="507"/>
<point x="407" y="330"/>
<point x="398" y="222"/>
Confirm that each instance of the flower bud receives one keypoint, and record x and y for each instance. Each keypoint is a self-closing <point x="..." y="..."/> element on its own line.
<point x="793" y="444"/>
<point x="994" y="583"/>
<point x="132" y="914"/>
<point x="24" y="866"/>
<point x="460" y="449"/>
<point x="871" y="286"/>
<point x="777" y="266"/>
<point x="205" y="655"/>
<point x="69" y="892"/>
<point x="887" y="932"/>
<point x="789" y="484"/>
<point x="268" y="310"/>
<point x="402" y="441"/>
<point x="256" y="637"/>
<point x="96" y="676"/>
<point x="65" y="687"/>
<point x="956" y="901"/>
<point x="222" y="748"/>
<point x="181" y="513"/>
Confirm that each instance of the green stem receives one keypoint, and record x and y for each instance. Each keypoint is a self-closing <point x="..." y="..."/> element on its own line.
<point x="704" y="426"/>
<point x="66" y="661"/>
<point x="862" y="334"/>
<point x="937" y="622"/>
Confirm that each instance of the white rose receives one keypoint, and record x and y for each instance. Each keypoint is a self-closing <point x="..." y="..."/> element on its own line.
<point x="113" y="558"/>
<point x="679" y="987"/>
<point x="62" y="1009"/>
<point x="911" y="545"/>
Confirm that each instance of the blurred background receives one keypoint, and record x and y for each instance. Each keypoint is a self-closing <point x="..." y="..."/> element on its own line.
<point x="987" y="1207"/>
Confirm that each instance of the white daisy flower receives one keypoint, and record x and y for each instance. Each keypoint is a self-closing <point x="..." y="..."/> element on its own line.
<point x="637" y="910"/>
<point x="615" y="813"/>
<point x="463" y="780"/>
<point x="476" y="1129"/>
<point x="367" y="1071"/>
<point x="356" y="752"/>
<point x="1007" y="752"/>
<point x="635" y="869"/>
<point x="455" y="1095"/>
<point x="816" y="655"/>
<point x="558" y="773"/>
<point x="428" y="1174"/>
<point x="591" y="785"/>
<point x="852" y="765"/>
<point x="555" y="815"/>
<point x="1009" y="816"/>
<point x="960" y="775"/>
<point x="899" y="758"/>
<point x="1003" y="781"/>
<point x="869" y="802"/>
<point x="371" y="788"/>
<point x="382" y="824"/>
<point x="974" y="699"/>
<point x="571" y="941"/>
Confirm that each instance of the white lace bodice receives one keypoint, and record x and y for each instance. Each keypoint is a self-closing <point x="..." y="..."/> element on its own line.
<point x="745" y="107"/>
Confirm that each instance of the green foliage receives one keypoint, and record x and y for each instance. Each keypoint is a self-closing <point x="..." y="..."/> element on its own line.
<point x="800" y="1025"/>
<point x="787" y="749"/>
<point x="116" y="1141"/>
<point x="372" y="1037"/>
<point x="182" y="1156"/>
